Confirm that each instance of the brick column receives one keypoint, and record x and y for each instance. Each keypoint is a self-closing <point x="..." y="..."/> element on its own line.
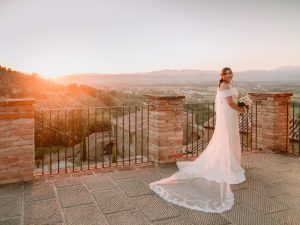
<point x="16" y="140"/>
<point x="165" y="128"/>
<point x="273" y="120"/>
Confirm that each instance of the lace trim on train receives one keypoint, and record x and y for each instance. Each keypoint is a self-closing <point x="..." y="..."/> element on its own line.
<point x="227" y="205"/>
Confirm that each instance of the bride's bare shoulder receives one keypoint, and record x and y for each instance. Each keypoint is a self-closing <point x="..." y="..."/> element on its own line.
<point x="224" y="86"/>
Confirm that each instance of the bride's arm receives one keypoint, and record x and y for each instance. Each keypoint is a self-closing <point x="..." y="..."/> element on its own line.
<point x="233" y="105"/>
<point x="229" y="100"/>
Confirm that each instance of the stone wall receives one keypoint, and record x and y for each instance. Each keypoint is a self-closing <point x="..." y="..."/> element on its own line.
<point x="131" y="134"/>
<point x="165" y="128"/>
<point x="273" y="118"/>
<point x="16" y="140"/>
<point x="99" y="140"/>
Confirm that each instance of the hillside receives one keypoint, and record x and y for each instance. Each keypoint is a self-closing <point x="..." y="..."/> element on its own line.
<point x="15" y="84"/>
<point x="282" y="74"/>
<point x="48" y="94"/>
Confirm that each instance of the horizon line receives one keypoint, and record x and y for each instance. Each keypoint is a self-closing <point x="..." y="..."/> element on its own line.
<point x="142" y="72"/>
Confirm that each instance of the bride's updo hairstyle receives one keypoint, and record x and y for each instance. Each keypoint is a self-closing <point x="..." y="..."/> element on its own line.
<point x="222" y="74"/>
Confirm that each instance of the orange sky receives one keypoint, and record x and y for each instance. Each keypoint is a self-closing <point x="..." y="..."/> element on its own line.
<point x="57" y="37"/>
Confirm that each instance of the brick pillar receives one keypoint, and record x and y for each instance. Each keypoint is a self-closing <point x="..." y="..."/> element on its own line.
<point x="165" y="127"/>
<point x="273" y="120"/>
<point x="16" y="140"/>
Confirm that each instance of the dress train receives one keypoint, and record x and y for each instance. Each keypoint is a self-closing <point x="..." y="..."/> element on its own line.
<point x="204" y="184"/>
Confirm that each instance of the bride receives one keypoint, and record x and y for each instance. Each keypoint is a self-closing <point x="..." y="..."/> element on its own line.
<point x="204" y="184"/>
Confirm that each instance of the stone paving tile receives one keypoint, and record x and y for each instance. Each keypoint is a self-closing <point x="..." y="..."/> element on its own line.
<point x="161" y="210"/>
<point x="98" y="182"/>
<point x="293" y="175"/>
<point x="240" y="186"/>
<point x="286" y="167"/>
<point x="202" y="218"/>
<point x="292" y="187"/>
<point x="280" y="168"/>
<point x="67" y="182"/>
<point x="10" y="207"/>
<point x="243" y="215"/>
<point x="132" y="217"/>
<point x="286" y="217"/>
<point x="258" y="164"/>
<point x="43" y="212"/>
<point x="248" y="164"/>
<point x="268" y="190"/>
<point x="258" y="202"/>
<point x="11" y="221"/>
<point x="111" y="201"/>
<point x="119" y="175"/>
<point x="38" y="191"/>
<point x="150" y="175"/>
<point x="278" y="158"/>
<point x="133" y="187"/>
<point x="172" y="221"/>
<point x="268" y="177"/>
<point x="128" y="167"/>
<point x="249" y="156"/>
<point x="84" y="214"/>
<point x="168" y="169"/>
<point x="293" y="202"/>
<point x="268" y="166"/>
<point x="248" y="174"/>
<point x="73" y="196"/>
<point x="10" y="189"/>
<point x="270" y="195"/>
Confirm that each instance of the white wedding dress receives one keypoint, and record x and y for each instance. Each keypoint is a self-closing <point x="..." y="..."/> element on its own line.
<point x="204" y="184"/>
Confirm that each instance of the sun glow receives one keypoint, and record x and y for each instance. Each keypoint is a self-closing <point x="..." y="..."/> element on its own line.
<point x="111" y="37"/>
<point x="50" y="76"/>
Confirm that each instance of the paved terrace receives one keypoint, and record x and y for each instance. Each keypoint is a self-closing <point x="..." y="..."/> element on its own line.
<point x="271" y="195"/>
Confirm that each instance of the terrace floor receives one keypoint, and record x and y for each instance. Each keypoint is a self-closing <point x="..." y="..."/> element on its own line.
<point x="270" y="195"/>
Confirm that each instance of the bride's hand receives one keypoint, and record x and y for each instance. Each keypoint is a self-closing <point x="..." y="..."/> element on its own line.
<point x="241" y="110"/>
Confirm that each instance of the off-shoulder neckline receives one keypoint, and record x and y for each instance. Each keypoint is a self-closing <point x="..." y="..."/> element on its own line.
<point x="226" y="89"/>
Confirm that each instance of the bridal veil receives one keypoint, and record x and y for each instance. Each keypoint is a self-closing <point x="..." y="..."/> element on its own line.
<point x="204" y="184"/>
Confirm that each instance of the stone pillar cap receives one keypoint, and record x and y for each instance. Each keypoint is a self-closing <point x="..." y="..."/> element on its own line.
<point x="271" y="94"/>
<point x="16" y="101"/>
<point x="165" y="97"/>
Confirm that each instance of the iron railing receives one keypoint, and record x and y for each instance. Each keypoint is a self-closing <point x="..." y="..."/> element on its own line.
<point x="197" y="118"/>
<point x="200" y="124"/>
<point x="292" y="138"/>
<point x="74" y="139"/>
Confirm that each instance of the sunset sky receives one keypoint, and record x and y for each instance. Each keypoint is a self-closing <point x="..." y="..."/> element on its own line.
<point x="57" y="37"/>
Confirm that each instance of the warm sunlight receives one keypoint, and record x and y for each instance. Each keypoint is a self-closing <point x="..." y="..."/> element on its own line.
<point x="50" y="76"/>
<point x="136" y="36"/>
<point x="120" y="112"/>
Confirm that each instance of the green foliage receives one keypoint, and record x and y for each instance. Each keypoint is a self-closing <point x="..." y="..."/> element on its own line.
<point x="201" y="111"/>
<point x="74" y="89"/>
<point x="39" y="151"/>
<point x="106" y="99"/>
<point x="296" y="109"/>
<point x="77" y="119"/>
<point x="15" y="84"/>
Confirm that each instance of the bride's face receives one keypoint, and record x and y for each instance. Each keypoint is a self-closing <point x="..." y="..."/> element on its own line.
<point x="227" y="76"/>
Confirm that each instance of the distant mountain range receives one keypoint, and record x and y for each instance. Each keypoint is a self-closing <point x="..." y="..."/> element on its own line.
<point x="281" y="74"/>
<point x="48" y="94"/>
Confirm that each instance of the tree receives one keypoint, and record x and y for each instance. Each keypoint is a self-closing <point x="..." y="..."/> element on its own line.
<point x="35" y="75"/>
